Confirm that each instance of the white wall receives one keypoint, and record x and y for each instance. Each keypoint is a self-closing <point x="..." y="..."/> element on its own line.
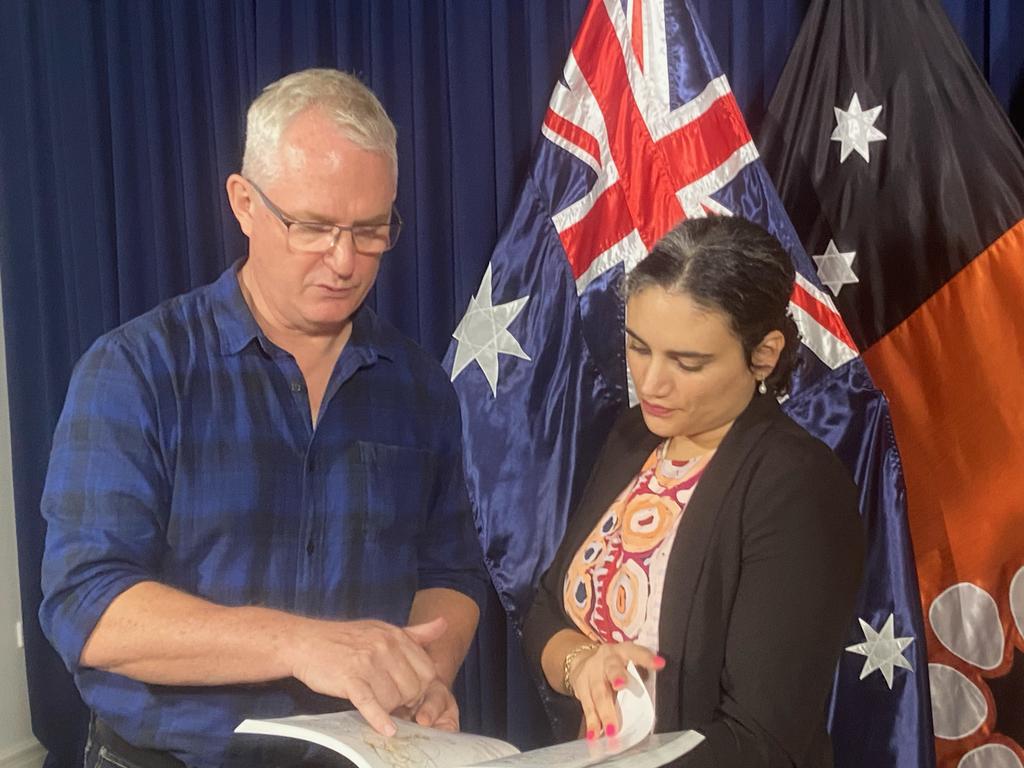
<point x="18" y="749"/>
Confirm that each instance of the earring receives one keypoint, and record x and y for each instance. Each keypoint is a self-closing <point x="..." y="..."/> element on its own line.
<point x="762" y="387"/>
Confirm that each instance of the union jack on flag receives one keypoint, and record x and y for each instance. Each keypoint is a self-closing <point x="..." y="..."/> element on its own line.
<point x="662" y="145"/>
<point x="641" y="131"/>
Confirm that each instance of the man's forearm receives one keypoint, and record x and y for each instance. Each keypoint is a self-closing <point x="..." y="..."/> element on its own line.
<point x="157" y="634"/>
<point x="461" y="614"/>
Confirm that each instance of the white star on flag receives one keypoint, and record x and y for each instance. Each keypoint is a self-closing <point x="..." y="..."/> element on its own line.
<point x="883" y="650"/>
<point x="483" y="333"/>
<point x="835" y="267"/>
<point x="855" y="129"/>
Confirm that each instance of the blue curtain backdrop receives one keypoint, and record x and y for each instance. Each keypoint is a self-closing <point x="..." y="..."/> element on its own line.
<point x="120" y="119"/>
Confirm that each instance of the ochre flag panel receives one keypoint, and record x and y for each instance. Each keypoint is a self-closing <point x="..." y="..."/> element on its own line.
<point x="954" y="374"/>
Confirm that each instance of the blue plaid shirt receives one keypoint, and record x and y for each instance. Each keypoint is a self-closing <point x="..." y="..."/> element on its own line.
<point x="185" y="455"/>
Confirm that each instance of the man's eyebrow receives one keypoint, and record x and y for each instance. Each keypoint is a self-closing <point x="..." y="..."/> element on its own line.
<point x="307" y="217"/>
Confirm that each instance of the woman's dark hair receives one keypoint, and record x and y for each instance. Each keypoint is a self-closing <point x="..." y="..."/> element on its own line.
<point x="733" y="266"/>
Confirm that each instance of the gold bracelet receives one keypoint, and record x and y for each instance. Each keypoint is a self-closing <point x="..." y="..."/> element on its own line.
<point x="570" y="657"/>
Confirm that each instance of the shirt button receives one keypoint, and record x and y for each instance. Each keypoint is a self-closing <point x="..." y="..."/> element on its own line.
<point x="296" y="386"/>
<point x="310" y="547"/>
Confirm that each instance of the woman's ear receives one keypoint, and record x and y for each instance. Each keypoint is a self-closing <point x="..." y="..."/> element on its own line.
<point x="766" y="354"/>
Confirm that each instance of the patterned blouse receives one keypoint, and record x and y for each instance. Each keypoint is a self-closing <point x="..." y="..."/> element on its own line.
<point x="613" y="586"/>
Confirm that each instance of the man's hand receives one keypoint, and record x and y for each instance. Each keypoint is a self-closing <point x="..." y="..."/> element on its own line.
<point x="376" y="666"/>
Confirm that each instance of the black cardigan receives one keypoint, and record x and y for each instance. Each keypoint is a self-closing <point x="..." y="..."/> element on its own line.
<point x="759" y="589"/>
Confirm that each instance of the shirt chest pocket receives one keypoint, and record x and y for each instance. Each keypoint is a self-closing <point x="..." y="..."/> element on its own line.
<point x="398" y="487"/>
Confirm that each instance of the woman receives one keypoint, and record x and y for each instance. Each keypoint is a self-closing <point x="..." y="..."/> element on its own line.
<point x="717" y="545"/>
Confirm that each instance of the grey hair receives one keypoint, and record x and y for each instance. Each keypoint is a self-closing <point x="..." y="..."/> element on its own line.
<point x="349" y="104"/>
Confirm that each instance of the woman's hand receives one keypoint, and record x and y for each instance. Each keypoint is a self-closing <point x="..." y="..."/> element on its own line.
<point x="438" y="709"/>
<point x="597" y="674"/>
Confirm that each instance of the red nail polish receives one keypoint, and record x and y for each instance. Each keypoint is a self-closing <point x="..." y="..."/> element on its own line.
<point x="659" y="662"/>
<point x="618" y="682"/>
<point x="610" y="730"/>
<point x="591" y="735"/>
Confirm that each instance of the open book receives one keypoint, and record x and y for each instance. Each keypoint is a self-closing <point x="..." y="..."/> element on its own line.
<point x="414" y="746"/>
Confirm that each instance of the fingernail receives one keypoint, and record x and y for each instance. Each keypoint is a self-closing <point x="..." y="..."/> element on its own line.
<point x="618" y="682"/>
<point x="659" y="662"/>
<point x="390" y="729"/>
<point x="591" y="735"/>
<point x="610" y="730"/>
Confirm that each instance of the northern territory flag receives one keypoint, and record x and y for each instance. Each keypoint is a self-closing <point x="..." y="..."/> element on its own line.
<point x="905" y="182"/>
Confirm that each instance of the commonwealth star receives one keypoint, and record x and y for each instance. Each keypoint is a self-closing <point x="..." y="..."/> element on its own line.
<point x="884" y="651"/>
<point x="855" y="129"/>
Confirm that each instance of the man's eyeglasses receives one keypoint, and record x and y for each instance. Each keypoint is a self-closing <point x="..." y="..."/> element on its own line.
<point x="319" y="237"/>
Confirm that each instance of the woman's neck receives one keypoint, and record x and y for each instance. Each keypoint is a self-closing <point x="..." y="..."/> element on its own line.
<point x="686" y="447"/>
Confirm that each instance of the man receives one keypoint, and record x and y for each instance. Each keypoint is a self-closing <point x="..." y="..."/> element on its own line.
<point x="255" y="498"/>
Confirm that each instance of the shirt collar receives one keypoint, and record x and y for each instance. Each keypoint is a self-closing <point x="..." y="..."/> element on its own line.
<point x="238" y="328"/>
<point x="235" y="323"/>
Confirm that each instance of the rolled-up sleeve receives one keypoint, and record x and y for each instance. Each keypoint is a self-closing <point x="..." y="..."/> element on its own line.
<point x="449" y="552"/>
<point x="104" y="497"/>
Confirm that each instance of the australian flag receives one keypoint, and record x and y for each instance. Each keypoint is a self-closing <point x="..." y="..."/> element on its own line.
<point x="642" y="131"/>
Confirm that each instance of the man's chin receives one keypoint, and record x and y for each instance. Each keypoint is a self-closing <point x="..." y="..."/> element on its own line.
<point x="323" y="320"/>
<point x="335" y="306"/>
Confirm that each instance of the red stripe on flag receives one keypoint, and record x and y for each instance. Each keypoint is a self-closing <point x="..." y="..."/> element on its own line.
<point x="584" y="242"/>
<point x="638" y="32"/>
<point x="573" y="134"/>
<point x="706" y="142"/>
<point x="648" y="188"/>
<point x="823" y="315"/>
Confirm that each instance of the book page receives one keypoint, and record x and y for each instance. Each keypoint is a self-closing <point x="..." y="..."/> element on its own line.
<point x="414" y="746"/>
<point x="653" y="751"/>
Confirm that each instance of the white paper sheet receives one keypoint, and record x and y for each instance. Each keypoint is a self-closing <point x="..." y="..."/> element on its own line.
<point x="349" y="734"/>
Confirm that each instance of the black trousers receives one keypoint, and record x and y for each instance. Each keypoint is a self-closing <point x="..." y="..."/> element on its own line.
<point x="105" y="749"/>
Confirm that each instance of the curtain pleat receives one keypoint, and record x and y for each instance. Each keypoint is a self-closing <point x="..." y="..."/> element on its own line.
<point x="121" y="119"/>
